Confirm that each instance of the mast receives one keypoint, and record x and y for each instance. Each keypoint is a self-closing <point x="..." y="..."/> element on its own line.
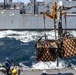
<point x="34" y="6"/>
<point x="4" y="5"/>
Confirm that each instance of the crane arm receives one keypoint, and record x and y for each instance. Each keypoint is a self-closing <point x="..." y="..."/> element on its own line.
<point x="47" y="14"/>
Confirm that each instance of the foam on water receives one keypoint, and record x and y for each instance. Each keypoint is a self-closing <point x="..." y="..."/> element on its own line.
<point x="26" y="36"/>
<point x="48" y="65"/>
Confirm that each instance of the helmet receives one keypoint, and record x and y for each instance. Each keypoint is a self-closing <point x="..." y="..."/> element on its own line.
<point x="14" y="71"/>
<point x="7" y="58"/>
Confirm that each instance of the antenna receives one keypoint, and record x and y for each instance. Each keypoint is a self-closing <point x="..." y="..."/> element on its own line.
<point x="54" y="1"/>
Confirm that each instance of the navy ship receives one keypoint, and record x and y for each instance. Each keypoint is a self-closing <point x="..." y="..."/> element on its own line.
<point x="20" y="16"/>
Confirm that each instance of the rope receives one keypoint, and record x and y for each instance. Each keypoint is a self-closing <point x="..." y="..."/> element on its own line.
<point x="55" y="28"/>
<point x="65" y="23"/>
<point x="44" y="25"/>
<point x="37" y="22"/>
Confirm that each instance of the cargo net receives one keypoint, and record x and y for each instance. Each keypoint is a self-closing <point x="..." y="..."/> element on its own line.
<point x="68" y="48"/>
<point x="48" y="50"/>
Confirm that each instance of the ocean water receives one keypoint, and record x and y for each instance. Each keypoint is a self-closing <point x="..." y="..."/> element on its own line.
<point x="19" y="46"/>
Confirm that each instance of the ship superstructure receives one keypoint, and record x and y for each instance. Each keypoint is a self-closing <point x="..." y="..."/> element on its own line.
<point x="20" y="16"/>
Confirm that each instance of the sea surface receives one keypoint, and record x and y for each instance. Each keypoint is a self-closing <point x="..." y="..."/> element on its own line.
<point x="19" y="46"/>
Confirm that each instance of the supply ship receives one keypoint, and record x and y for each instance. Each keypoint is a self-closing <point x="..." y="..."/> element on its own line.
<point x="21" y="16"/>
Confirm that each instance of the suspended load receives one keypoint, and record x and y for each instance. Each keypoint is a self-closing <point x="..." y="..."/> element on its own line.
<point x="49" y="50"/>
<point x="46" y="50"/>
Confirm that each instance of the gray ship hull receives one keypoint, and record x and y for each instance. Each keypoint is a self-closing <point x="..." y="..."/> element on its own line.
<point x="13" y="20"/>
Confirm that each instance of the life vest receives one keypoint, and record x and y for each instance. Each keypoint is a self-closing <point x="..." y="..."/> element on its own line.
<point x="14" y="72"/>
<point x="7" y="65"/>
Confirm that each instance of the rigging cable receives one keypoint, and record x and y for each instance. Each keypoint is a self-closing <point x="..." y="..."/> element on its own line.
<point x="44" y="25"/>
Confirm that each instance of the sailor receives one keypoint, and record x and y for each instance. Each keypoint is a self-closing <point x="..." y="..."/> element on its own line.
<point x="13" y="66"/>
<point x="7" y="66"/>
<point x="18" y="69"/>
<point x="14" y="72"/>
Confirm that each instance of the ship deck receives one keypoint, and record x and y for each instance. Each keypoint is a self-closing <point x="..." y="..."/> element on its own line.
<point x="64" y="71"/>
